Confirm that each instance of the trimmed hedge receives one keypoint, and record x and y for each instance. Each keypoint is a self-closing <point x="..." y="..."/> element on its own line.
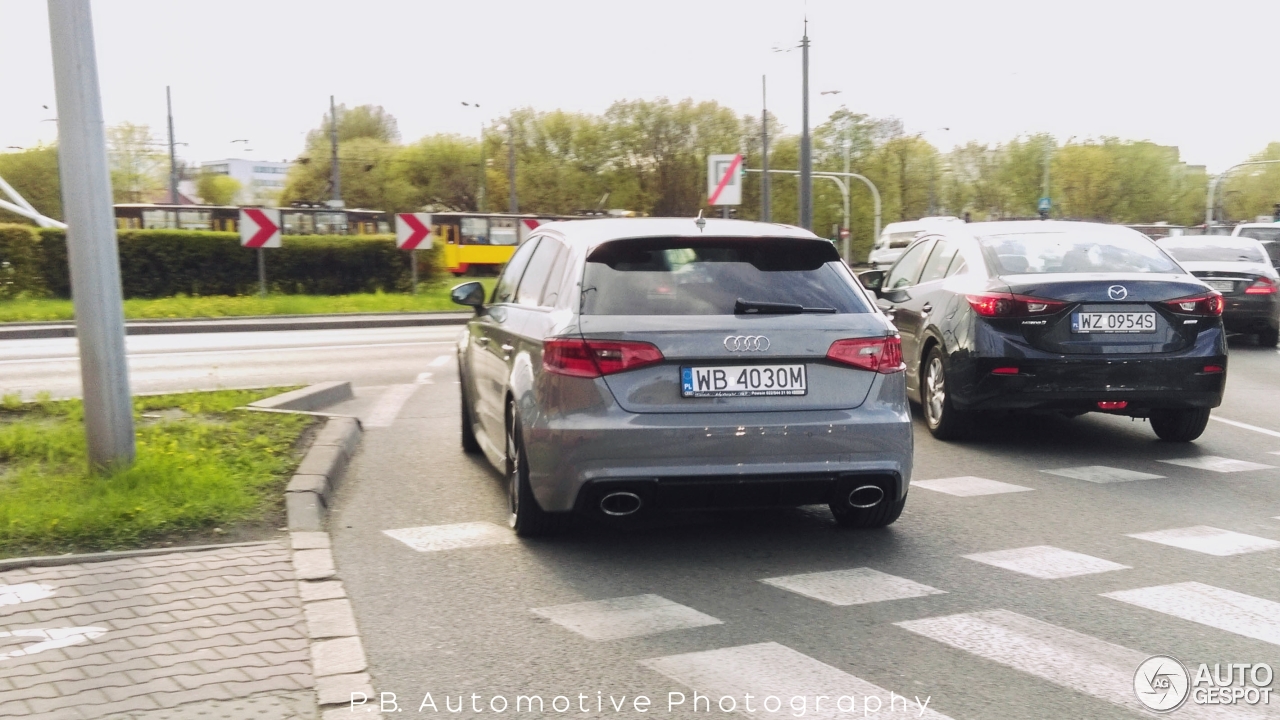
<point x="164" y="263"/>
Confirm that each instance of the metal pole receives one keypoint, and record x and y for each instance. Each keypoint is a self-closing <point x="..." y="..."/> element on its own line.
<point x="875" y="192"/>
<point x="262" y="272"/>
<point x="1048" y="155"/>
<point x="513" y="207"/>
<point x="766" y="207"/>
<point x="173" y="162"/>
<point x="848" y="240"/>
<point x="335" y="176"/>
<point x="91" y="237"/>
<point x="480" y="192"/>
<point x="724" y="211"/>
<point x="413" y="264"/>
<point x="1213" y="187"/>
<point x="806" y="143"/>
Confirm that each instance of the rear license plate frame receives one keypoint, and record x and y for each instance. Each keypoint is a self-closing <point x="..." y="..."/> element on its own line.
<point x="1100" y="324"/>
<point x="702" y="381"/>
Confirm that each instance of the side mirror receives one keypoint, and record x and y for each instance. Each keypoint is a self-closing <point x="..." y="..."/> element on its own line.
<point x="872" y="280"/>
<point x="470" y="294"/>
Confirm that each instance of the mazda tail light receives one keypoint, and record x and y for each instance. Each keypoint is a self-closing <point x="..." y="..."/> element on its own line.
<point x="1209" y="305"/>
<point x="1262" y="286"/>
<point x="1113" y="404"/>
<point x="882" y="354"/>
<point x="576" y="357"/>
<point x="1010" y="305"/>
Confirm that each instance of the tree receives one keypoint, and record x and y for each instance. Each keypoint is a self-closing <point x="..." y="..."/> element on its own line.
<point x="34" y="174"/>
<point x="1022" y="173"/>
<point x="367" y="145"/>
<point x="1087" y="181"/>
<point x="138" y="167"/>
<point x="217" y="189"/>
<point x="1252" y="190"/>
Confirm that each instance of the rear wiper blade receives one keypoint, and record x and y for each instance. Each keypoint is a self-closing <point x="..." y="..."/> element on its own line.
<point x="759" y="307"/>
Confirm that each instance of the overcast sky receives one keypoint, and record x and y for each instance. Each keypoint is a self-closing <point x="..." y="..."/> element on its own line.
<point x="1204" y="76"/>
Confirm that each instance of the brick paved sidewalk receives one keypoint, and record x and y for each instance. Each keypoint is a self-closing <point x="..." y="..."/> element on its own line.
<point x="146" y="637"/>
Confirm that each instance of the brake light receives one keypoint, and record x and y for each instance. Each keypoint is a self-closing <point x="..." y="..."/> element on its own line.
<point x="1262" y="286"/>
<point x="576" y="357"/>
<point x="1213" y="369"/>
<point x="1010" y="305"/>
<point x="1113" y="404"/>
<point x="1210" y="304"/>
<point x="1005" y="371"/>
<point x="882" y="354"/>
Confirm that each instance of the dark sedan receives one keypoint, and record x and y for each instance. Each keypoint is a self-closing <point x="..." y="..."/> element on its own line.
<point x="1054" y="316"/>
<point x="1240" y="269"/>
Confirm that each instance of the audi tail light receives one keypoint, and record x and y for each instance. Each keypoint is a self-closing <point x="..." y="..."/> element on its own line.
<point x="576" y="357"/>
<point x="1208" y="305"/>
<point x="1262" y="286"/>
<point x="882" y="354"/>
<point x="1010" y="305"/>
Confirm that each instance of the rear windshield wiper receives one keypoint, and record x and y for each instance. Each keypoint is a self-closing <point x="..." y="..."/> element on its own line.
<point x="759" y="307"/>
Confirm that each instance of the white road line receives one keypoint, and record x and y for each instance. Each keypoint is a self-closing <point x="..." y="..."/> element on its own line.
<point x="1246" y="615"/>
<point x="1046" y="562"/>
<point x="1246" y="426"/>
<point x="852" y="587"/>
<point x="50" y="639"/>
<point x="191" y="353"/>
<point x="1213" y="463"/>
<point x="1063" y="657"/>
<point x="1102" y="474"/>
<point x="1209" y="540"/>
<point x="968" y="486"/>
<point x="625" y="617"/>
<point x="388" y="405"/>
<point x="424" y="378"/>
<point x="440" y="361"/>
<point x="24" y="592"/>
<point x="774" y="676"/>
<point x="434" y="538"/>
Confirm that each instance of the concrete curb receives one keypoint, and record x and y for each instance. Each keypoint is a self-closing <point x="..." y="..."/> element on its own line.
<point x="310" y="490"/>
<point x="354" y="321"/>
<point x="309" y="398"/>
<point x="69" y="559"/>
<point x="338" y="662"/>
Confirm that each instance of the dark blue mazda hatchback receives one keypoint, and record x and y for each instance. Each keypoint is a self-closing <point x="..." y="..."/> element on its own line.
<point x="1054" y="316"/>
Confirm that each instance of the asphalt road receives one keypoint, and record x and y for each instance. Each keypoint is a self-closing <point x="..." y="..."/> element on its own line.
<point x="1035" y="600"/>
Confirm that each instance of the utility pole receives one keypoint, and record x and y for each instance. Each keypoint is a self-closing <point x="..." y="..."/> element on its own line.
<point x="335" y="178"/>
<point x="480" y="191"/>
<point x="848" y="231"/>
<point x="513" y="207"/>
<point x="173" y="161"/>
<point x="1048" y="156"/>
<point x="91" y="237"/>
<point x="766" y="207"/>
<point x="806" y="143"/>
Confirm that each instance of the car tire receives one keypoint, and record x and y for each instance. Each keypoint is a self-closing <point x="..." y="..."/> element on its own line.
<point x="526" y="517"/>
<point x="879" y="516"/>
<point x="1179" y="425"/>
<point x="470" y="445"/>
<point x="1269" y="337"/>
<point x="940" y="416"/>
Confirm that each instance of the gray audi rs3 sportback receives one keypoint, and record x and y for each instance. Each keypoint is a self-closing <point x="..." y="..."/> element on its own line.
<point x="623" y="366"/>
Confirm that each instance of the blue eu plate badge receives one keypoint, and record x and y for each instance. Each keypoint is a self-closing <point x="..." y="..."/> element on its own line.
<point x="686" y="380"/>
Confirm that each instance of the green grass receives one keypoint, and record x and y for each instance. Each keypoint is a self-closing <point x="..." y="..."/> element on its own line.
<point x="201" y="465"/>
<point x="429" y="298"/>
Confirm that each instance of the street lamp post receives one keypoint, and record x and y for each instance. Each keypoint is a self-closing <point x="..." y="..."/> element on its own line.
<point x="844" y="189"/>
<point x="806" y="142"/>
<point x="480" y="189"/>
<point x="1213" y="186"/>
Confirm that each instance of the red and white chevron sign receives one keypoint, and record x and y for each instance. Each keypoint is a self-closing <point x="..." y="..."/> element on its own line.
<point x="413" y="231"/>
<point x="260" y="227"/>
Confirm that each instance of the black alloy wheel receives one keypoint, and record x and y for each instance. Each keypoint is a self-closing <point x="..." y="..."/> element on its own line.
<point x="525" y="516"/>
<point x="940" y="416"/>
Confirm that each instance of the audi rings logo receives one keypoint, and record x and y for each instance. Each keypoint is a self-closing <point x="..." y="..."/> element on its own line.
<point x="1117" y="292"/>
<point x="746" y="343"/>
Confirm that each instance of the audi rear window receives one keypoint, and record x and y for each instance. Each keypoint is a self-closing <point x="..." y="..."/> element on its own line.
<point x="707" y="276"/>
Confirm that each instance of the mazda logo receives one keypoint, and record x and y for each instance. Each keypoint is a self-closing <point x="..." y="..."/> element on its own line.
<point x="1117" y="292"/>
<point x="746" y="343"/>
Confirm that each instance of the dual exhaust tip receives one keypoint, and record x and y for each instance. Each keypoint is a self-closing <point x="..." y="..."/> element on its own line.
<point x="622" y="503"/>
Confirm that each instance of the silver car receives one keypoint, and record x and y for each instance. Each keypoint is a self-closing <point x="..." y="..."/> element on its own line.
<point x="628" y="365"/>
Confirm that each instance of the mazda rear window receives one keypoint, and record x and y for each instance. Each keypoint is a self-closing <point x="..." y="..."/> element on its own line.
<point x="1123" y="251"/>
<point x="1199" y="249"/>
<point x="680" y="276"/>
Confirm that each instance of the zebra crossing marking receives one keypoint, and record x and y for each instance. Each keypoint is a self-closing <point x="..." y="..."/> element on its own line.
<point x="1046" y="562"/>
<point x="625" y="617"/>
<point x="434" y="538"/>
<point x="1234" y="612"/>
<point x="857" y="586"/>
<point x="770" y="670"/>
<point x="1209" y="540"/>
<point x="1058" y="655"/>
<point x="1213" y="463"/>
<point x="969" y="486"/>
<point x="1102" y="474"/>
